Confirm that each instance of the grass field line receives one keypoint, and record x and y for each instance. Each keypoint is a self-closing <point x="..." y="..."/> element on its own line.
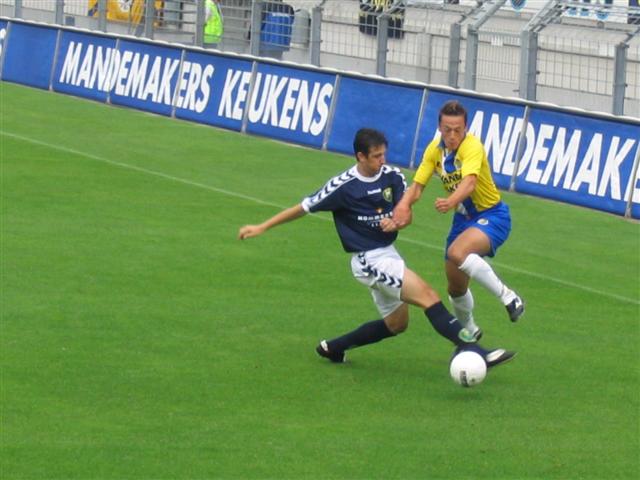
<point x="271" y="204"/>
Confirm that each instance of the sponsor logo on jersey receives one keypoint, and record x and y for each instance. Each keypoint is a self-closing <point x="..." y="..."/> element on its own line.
<point x="451" y="180"/>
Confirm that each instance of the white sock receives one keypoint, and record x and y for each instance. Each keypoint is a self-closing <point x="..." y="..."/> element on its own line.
<point x="478" y="269"/>
<point x="463" y="309"/>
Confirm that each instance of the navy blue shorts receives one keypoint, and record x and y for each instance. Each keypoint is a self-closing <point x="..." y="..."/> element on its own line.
<point x="495" y="222"/>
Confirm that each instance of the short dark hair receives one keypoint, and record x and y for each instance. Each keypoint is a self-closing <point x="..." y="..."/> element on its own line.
<point x="367" y="138"/>
<point x="453" y="108"/>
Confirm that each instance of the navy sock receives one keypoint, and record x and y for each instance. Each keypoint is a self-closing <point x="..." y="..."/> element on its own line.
<point x="447" y="325"/>
<point x="370" y="332"/>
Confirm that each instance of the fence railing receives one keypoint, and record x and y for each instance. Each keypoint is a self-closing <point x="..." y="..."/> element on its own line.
<point x="563" y="51"/>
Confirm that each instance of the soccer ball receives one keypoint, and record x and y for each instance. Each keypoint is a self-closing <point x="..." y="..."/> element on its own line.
<point x="468" y="368"/>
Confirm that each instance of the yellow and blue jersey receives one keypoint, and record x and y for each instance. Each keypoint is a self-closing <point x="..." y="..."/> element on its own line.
<point x="452" y="166"/>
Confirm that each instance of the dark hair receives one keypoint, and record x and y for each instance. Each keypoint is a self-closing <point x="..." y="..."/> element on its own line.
<point x="453" y="108"/>
<point x="367" y="138"/>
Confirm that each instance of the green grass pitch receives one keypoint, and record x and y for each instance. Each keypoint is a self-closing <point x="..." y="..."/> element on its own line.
<point x="141" y="340"/>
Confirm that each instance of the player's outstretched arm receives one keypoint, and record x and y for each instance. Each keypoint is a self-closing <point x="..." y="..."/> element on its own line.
<point x="402" y="211"/>
<point x="284" y="216"/>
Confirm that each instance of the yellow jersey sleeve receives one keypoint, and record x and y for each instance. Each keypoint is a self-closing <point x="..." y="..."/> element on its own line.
<point x="429" y="159"/>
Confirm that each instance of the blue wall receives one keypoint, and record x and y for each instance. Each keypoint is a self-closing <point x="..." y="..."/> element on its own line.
<point x="556" y="153"/>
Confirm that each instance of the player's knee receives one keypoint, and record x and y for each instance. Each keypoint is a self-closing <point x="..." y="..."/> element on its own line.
<point x="398" y="321"/>
<point x="398" y="326"/>
<point x="456" y="254"/>
<point x="456" y="291"/>
<point x="401" y="327"/>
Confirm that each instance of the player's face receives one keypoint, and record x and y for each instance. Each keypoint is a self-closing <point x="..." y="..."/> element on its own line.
<point x="453" y="129"/>
<point x="369" y="165"/>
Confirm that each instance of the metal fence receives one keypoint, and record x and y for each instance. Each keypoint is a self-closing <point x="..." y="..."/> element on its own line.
<point x="563" y="51"/>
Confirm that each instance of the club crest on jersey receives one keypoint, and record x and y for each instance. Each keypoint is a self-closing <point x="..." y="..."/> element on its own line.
<point x="483" y="221"/>
<point x="457" y="163"/>
<point x="387" y="194"/>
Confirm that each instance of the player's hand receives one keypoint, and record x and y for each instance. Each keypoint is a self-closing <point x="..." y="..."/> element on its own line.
<point x="401" y="216"/>
<point x="388" y="225"/>
<point x="249" y="231"/>
<point x="443" y="205"/>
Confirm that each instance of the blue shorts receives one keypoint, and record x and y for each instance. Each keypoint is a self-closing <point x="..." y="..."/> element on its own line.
<point x="495" y="222"/>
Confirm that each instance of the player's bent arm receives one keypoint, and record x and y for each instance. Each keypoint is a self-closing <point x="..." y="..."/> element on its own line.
<point x="284" y="216"/>
<point x="402" y="211"/>
<point x="464" y="189"/>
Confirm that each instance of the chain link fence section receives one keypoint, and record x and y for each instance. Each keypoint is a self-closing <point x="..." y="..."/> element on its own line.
<point x="581" y="54"/>
<point x="341" y="38"/>
<point x="38" y="10"/>
<point x="237" y="25"/>
<point x="633" y="72"/>
<point x="423" y="53"/>
<point x="499" y="57"/>
<point x="577" y="63"/>
<point x="174" y="20"/>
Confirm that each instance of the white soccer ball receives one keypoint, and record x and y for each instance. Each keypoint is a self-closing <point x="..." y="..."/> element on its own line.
<point x="468" y="368"/>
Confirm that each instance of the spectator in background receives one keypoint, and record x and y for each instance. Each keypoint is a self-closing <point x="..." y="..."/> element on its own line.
<point x="213" y="25"/>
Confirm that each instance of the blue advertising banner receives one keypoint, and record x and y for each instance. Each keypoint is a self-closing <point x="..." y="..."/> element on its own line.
<point x="3" y="41"/>
<point x="144" y="76"/>
<point x="289" y="104"/>
<point x="29" y="55"/>
<point x="213" y="89"/>
<point x="496" y="124"/>
<point x="580" y="160"/>
<point x="86" y="65"/>
<point x="634" y="190"/>
<point x="392" y="109"/>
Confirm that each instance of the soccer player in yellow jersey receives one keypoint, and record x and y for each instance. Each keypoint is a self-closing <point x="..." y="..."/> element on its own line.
<point x="481" y="222"/>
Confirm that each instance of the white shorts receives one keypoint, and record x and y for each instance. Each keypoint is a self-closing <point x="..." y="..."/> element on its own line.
<point x="382" y="270"/>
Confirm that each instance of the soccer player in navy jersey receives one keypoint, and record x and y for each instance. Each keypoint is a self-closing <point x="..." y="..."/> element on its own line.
<point x="481" y="222"/>
<point x="361" y="200"/>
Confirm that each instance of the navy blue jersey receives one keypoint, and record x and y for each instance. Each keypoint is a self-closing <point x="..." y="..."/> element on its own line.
<point x="358" y="203"/>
